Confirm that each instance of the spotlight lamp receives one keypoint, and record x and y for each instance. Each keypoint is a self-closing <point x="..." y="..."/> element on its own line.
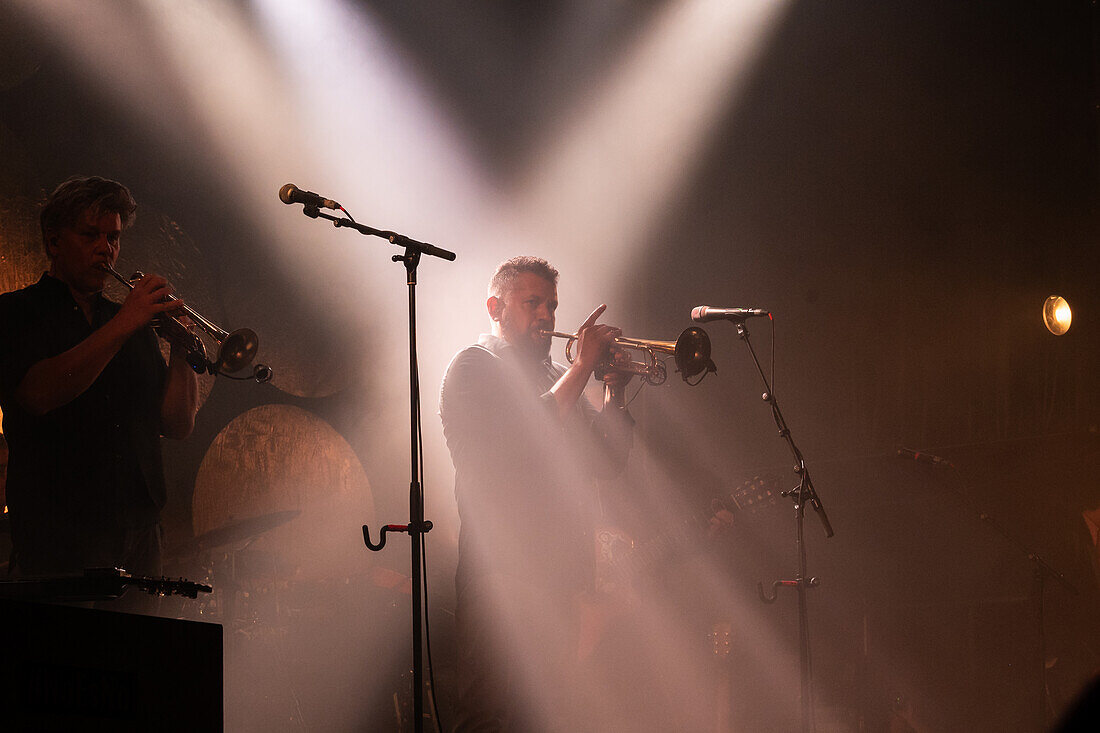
<point x="1056" y="315"/>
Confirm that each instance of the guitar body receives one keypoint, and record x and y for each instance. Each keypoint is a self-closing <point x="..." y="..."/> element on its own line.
<point x="619" y="560"/>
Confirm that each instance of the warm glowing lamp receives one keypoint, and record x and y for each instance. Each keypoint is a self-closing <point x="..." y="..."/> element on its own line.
<point x="1056" y="315"/>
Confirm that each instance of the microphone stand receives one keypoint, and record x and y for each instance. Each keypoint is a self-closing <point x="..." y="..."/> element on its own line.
<point x="804" y="493"/>
<point x="417" y="526"/>
<point x="1041" y="571"/>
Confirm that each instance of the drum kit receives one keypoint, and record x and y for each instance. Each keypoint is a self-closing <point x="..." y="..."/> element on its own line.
<point x="257" y="592"/>
<point x="242" y="578"/>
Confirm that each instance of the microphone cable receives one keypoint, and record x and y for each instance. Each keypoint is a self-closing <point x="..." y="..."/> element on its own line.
<point x="423" y="579"/>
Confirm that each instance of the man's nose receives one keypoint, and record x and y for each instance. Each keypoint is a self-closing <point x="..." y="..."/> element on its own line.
<point x="103" y="244"/>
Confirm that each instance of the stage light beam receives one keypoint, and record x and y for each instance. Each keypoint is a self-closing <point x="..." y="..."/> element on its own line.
<point x="610" y="172"/>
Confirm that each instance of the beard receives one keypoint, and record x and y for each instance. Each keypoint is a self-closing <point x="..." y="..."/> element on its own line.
<point x="536" y="346"/>
<point x="529" y="343"/>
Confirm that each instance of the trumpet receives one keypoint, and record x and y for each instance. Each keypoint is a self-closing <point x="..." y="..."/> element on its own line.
<point x="691" y="351"/>
<point x="236" y="350"/>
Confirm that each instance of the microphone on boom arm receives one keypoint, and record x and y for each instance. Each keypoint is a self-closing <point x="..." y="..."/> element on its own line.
<point x="291" y="194"/>
<point x="704" y="313"/>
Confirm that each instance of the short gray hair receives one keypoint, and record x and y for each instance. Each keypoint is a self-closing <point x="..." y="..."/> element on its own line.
<point x="507" y="272"/>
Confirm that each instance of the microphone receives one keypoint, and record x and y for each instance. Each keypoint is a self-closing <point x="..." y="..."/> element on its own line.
<point x="924" y="457"/>
<point x="291" y="194"/>
<point x="704" y="313"/>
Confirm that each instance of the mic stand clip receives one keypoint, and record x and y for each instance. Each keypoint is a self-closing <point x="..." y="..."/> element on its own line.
<point x="424" y="528"/>
<point x="770" y="597"/>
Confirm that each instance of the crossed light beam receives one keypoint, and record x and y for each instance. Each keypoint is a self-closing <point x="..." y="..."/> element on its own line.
<point x="322" y="97"/>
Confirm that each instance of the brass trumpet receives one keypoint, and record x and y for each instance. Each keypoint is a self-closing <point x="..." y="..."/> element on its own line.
<point x="236" y="350"/>
<point x="691" y="351"/>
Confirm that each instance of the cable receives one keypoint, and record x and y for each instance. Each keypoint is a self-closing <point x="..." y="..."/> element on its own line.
<point x="697" y="381"/>
<point x="261" y="373"/>
<point x="236" y="379"/>
<point x="424" y="558"/>
<point x="428" y="637"/>
<point x="772" y="319"/>
<point x="636" y="393"/>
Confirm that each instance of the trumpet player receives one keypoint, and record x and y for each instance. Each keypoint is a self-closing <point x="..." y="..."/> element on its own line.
<point x="526" y="445"/>
<point x="86" y="396"/>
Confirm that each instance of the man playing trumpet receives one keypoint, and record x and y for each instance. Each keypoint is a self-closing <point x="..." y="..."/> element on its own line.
<point x="526" y="445"/>
<point x="86" y="396"/>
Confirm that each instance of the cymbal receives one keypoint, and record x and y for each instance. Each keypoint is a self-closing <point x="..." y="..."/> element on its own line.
<point x="236" y="532"/>
<point x="276" y="458"/>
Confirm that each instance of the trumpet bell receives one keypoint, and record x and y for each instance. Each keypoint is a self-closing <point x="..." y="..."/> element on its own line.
<point x="692" y="353"/>
<point x="237" y="350"/>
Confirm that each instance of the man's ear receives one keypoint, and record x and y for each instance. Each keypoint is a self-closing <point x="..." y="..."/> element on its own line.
<point x="494" y="305"/>
<point x="51" y="243"/>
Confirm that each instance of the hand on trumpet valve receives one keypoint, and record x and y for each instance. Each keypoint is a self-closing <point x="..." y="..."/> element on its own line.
<point x="594" y="340"/>
<point x="151" y="302"/>
<point x="179" y="331"/>
<point x="616" y="371"/>
<point x="148" y="299"/>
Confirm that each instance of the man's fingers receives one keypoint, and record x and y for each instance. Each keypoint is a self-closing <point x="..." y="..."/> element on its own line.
<point x="618" y="355"/>
<point x="617" y="378"/>
<point x="154" y="286"/>
<point x="151" y="281"/>
<point x="595" y="315"/>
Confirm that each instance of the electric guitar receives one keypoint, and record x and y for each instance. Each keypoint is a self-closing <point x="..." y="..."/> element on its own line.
<point x="620" y="561"/>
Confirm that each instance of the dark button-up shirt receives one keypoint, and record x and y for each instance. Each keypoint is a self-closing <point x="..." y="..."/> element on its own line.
<point x="97" y="458"/>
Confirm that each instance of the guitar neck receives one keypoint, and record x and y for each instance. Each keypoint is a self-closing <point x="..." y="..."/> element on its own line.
<point x="749" y="498"/>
